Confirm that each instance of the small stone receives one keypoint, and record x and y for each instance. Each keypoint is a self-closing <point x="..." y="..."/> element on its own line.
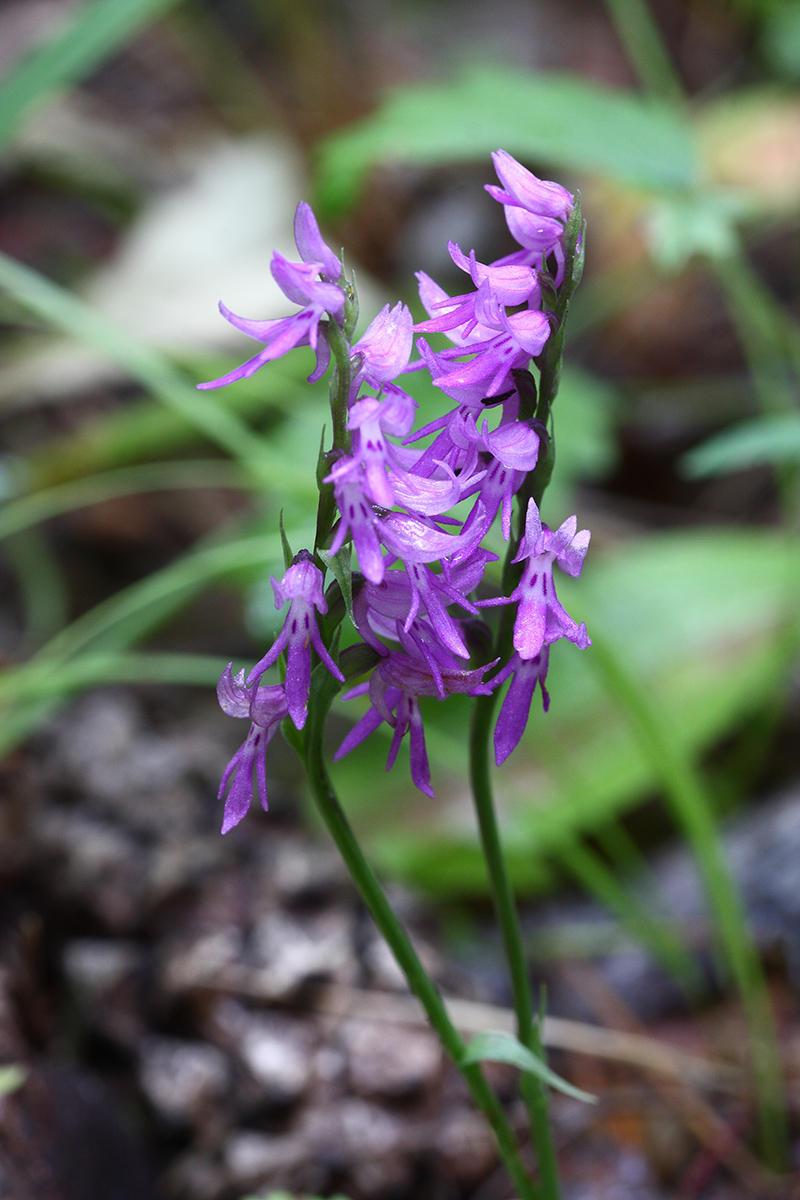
<point x="277" y="1050"/>
<point x="197" y="962"/>
<point x="352" y="1131"/>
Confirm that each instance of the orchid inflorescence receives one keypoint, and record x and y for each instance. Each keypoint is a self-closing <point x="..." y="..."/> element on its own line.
<point x="417" y="564"/>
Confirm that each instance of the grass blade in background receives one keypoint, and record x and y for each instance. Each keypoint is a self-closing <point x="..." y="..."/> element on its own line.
<point x="58" y="306"/>
<point x="30" y="691"/>
<point x="29" y="510"/>
<point x="692" y="806"/>
<point x="96" y="31"/>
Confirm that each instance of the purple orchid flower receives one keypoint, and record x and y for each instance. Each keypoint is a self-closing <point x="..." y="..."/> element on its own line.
<point x="266" y="707"/>
<point x="382" y="353"/>
<point x="541" y="619"/>
<point x="522" y="189"/>
<point x="358" y="518"/>
<point x="373" y="419"/>
<point x="394" y="688"/>
<point x="535" y="211"/>
<point x="302" y="586"/>
<point x="514" y="450"/>
<point x="297" y="281"/>
<point x="516" y="707"/>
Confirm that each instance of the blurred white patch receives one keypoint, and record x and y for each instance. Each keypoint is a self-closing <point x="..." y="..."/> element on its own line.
<point x="208" y="238"/>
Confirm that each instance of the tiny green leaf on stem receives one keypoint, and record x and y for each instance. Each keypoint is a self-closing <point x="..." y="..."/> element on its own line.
<point x="505" y="1048"/>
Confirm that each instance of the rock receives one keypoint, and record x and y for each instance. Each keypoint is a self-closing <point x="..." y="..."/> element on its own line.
<point x="104" y="976"/>
<point x="192" y="962"/>
<point x="466" y="1145"/>
<point x="352" y="1131"/>
<point x="96" y="863"/>
<point x="95" y="966"/>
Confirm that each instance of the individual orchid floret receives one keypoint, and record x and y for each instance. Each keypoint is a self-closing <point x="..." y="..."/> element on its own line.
<point x="302" y="587"/>
<point x="522" y="189"/>
<point x="535" y="210"/>
<point x="373" y="419"/>
<point x="429" y="497"/>
<point x="521" y="336"/>
<point x="509" y="284"/>
<point x="358" y="517"/>
<point x="417" y="540"/>
<point x="297" y="281"/>
<point x="311" y="246"/>
<point x="385" y="348"/>
<point x="513" y="717"/>
<point x="541" y="619"/>
<point x="436" y="302"/>
<point x="514" y="450"/>
<point x="266" y="707"/>
<point x="394" y="687"/>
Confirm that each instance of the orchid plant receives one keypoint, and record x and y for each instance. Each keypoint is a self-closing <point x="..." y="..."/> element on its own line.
<point x="419" y="592"/>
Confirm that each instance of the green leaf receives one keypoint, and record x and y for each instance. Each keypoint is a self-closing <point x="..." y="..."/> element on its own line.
<point x="505" y="1048"/>
<point x="557" y="119"/>
<point x="288" y="555"/>
<point x="704" y="223"/>
<point x="749" y="444"/>
<point x="780" y="39"/>
<point x="339" y="564"/>
<point x="96" y="31"/>
<point x="699" y="619"/>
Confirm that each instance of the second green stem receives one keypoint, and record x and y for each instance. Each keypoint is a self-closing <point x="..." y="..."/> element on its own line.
<point x="533" y="1090"/>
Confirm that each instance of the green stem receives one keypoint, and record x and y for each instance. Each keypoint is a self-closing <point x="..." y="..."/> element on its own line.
<point x="693" y="808"/>
<point x="761" y="333"/>
<point x="772" y="349"/>
<point x="645" y="48"/>
<point x="549" y="364"/>
<point x="533" y="1090"/>
<point x="327" y="511"/>
<point x="399" y="943"/>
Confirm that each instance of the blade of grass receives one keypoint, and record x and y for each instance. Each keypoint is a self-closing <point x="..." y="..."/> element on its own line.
<point x="693" y="807"/>
<point x="645" y="48"/>
<point x="653" y="933"/>
<point x="95" y="32"/>
<point x="20" y="514"/>
<point x="91" y="669"/>
<point x="58" y="306"/>
<point x="118" y="622"/>
<point x="40" y="584"/>
<point x="103" y="626"/>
